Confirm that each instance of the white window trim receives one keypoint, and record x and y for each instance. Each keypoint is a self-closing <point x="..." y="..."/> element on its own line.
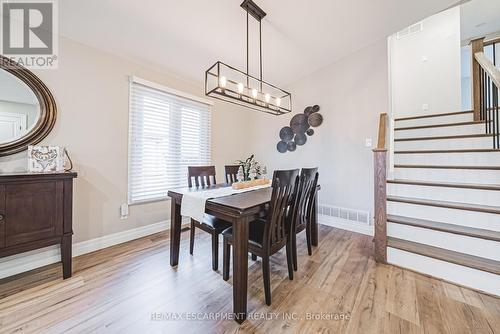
<point x="154" y="85"/>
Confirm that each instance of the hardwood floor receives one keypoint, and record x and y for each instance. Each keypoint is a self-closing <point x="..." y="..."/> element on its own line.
<point x="131" y="288"/>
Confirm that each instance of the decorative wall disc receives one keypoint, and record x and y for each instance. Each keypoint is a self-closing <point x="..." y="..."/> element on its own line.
<point x="315" y="119"/>
<point x="282" y="146"/>
<point x="300" y="139"/>
<point x="299" y="123"/>
<point x="300" y="127"/>
<point x="286" y="133"/>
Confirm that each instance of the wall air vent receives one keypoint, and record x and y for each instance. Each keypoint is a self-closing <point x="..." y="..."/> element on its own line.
<point x="408" y="31"/>
<point x="345" y="214"/>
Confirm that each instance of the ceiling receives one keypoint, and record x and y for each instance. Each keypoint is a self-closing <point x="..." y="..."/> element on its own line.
<point x="480" y="18"/>
<point x="186" y="37"/>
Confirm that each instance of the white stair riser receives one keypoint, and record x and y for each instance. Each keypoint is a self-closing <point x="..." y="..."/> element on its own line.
<point x="487" y="221"/>
<point x="463" y="244"/>
<point x="460" y="195"/>
<point x="441" y="131"/>
<point x="444" y="144"/>
<point x="465" y="117"/>
<point x="454" y="159"/>
<point x="449" y="175"/>
<point x="465" y="276"/>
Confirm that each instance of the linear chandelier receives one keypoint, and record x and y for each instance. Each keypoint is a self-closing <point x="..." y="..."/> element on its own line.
<point x="224" y="82"/>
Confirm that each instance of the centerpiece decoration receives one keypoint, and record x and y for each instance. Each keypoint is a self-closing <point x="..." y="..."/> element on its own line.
<point x="251" y="173"/>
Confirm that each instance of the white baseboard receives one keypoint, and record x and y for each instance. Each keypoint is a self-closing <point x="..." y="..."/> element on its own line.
<point x="19" y="263"/>
<point x="345" y="224"/>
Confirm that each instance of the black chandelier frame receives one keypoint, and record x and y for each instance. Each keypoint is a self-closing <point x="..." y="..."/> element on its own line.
<point x="244" y="95"/>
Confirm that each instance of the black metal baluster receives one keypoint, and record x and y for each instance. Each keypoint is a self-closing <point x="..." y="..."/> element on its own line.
<point x="495" y="111"/>
<point x="482" y="115"/>
<point x="494" y="114"/>
<point x="486" y="103"/>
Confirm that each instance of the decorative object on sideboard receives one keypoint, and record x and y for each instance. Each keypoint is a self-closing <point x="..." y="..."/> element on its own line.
<point x="44" y="159"/>
<point x="300" y="128"/>
<point x="70" y="162"/>
<point x="226" y="83"/>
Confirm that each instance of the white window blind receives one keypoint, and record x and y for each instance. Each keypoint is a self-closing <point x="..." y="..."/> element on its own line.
<point x="167" y="133"/>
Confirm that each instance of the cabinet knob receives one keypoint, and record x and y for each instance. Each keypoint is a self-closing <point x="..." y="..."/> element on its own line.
<point x="1" y="217"/>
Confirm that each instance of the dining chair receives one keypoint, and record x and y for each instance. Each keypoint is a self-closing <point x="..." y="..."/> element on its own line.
<point x="210" y="224"/>
<point x="303" y="216"/>
<point x="270" y="234"/>
<point x="231" y="173"/>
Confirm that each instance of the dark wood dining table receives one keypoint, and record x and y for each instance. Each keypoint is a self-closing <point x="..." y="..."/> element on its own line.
<point x="239" y="209"/>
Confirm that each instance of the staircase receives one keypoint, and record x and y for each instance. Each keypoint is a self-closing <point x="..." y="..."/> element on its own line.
<point x="443" y="202"/>
<point x="438" y="212"/>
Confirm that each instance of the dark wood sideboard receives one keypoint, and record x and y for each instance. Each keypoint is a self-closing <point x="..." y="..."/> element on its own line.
<point x="36" y="212"/>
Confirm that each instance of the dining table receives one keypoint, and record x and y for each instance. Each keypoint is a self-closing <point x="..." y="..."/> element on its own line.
<point x="239" y="210"/>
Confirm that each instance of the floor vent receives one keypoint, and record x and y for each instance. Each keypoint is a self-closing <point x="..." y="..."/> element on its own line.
<point x="343" y="213"/>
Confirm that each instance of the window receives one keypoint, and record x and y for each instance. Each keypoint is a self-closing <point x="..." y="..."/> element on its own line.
<point x="168" y="131"/>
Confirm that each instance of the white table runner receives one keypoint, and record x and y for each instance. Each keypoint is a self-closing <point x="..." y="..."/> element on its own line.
<point x="193" y="203"/>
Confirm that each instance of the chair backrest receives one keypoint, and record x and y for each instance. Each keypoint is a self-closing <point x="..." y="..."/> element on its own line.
<point x="306" y="192"/>
<point x="201" y="175"/>
<point x="231" y="172"/>
<point x="278" y="221"/>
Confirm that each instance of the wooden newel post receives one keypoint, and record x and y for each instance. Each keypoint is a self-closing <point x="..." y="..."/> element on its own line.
<point x="380" y="195"/>
<point x="477" y="45"/>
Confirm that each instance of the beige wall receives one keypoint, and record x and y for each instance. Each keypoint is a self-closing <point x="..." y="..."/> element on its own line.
<point x="351" y="93"/>
<point x="91" y="90"/>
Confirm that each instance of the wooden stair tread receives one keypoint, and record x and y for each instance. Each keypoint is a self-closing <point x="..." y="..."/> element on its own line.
<point x="445" y="227"/>
<point x="446" y="204"/>
<point x="474" y="150"/>
<point x="439" y="125"/>
<point x="446" y="184"/>
<point x="479" y="135"/>
<point x="462" y="259"/>
<point x="449" y="167"/>
<point x="434" y="115"/>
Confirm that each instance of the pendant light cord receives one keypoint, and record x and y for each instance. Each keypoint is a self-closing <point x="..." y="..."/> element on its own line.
<point x="260" y="46"/>
<point x="248" y="82"/>
<point x="260" y="51"/>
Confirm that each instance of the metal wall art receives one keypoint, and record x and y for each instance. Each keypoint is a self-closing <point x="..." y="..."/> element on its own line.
<point x="300" y="128"/>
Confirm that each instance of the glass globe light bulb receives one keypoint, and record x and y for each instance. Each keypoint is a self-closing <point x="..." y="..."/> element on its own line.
<point x="278" y="101"/>
<point x="267" y="97"/>
<point x="240" y="88"/>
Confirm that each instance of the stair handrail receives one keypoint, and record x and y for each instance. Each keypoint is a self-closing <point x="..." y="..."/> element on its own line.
<point x="380" y="192"/>
<point x="488" y="67"/>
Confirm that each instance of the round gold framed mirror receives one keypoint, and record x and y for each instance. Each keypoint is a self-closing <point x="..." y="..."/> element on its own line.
<point x="28" y="110"/>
